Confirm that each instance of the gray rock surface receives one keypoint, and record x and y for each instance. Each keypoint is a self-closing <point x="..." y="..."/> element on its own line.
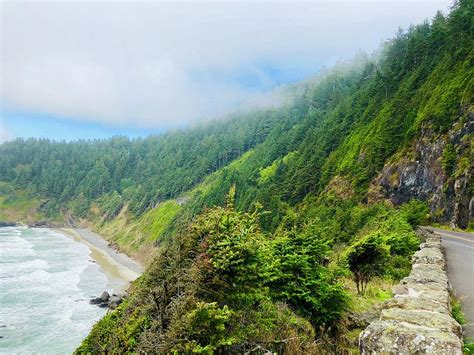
<point x="107" y="301"/>
<point x="419" y="174"/>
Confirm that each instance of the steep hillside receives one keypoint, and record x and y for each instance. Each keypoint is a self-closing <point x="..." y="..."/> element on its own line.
<point x="276" y="228"/>
<point x="311" y="205"/>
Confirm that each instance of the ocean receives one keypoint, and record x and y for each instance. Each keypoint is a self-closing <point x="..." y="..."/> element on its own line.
<point x="46" y="282"/>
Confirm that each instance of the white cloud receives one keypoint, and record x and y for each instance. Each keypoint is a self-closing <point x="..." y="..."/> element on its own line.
<point x="152" y="64"/>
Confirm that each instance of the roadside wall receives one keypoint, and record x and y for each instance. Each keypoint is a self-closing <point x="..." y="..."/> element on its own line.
<point x="418" y="318"/>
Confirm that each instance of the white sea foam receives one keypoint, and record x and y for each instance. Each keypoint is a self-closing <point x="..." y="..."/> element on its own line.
<point x="46" y="281"/>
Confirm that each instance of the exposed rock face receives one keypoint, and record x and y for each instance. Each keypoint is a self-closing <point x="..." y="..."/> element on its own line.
<point x="462" y="199"/>
<point x="420" y="174"/>
<point x="418" y="319"/>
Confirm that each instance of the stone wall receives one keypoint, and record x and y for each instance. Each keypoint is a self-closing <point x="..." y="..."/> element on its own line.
<point x="418" y="318"/>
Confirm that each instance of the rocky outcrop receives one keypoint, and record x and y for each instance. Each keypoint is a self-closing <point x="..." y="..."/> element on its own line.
<point x="8" y="224"/>
<point x="418" y="318"/>
<point x="45" y="224"/>
<point x="423" y="171"/>
<point x="463" y="200"/>
<point x="107" y="301"/>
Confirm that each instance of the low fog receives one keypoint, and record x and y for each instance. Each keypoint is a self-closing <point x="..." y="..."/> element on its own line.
<point x="150" y="64"/>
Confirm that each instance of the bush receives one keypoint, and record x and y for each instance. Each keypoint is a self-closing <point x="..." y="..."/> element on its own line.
<point x="415" y="212"/>
<point x="302" y="281"/>
<point x="366" y="259"/>
<point x="205" y="329"/>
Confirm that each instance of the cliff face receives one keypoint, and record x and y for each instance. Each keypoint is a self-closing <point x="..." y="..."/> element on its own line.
<point x="437" y="168"/>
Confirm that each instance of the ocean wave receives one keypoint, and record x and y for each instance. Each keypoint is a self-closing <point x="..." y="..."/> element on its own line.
<point x="46" y="280"/>
<point x="22" y="267"/>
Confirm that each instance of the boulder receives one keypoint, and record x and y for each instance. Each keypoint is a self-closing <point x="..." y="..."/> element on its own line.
<point x="96" y="300"/>
<point x="38" y="224"/>
<point x="105" y="296"/>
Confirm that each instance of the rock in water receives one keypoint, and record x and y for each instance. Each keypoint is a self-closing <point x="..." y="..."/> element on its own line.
<point x="105" y="296"/>
<point x="96" y="300"/>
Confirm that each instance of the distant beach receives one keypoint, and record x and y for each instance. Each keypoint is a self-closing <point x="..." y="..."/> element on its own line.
<point x="113" y="262"/>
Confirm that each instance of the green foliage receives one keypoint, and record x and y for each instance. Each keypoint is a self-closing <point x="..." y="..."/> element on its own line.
<point x="415" y="213"/>
<point x="238" y="253"/>
<point x="208" y="324"/>
<point x="456" y="311"/>
<point x="366" y="259"/>
<point x="218" y="287"/>
<point x="262" y="272"/>
<point x="155" y="221"/>
<point x="302" y="281"/>
<point x="449" y="159"/>
<point x="111" y="205"/>
<point x="18" y="205"/>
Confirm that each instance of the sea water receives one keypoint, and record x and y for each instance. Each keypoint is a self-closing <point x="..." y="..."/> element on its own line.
<point x="46" y="282"/>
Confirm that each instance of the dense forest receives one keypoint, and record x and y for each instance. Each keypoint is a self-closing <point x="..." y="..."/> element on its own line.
<point x="271" y="229"/>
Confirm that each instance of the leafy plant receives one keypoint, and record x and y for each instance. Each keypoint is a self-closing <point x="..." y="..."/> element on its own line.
<point x="366" y="259"/>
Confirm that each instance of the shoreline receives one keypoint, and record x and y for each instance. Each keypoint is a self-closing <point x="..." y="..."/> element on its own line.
<point x="115" y="264"/>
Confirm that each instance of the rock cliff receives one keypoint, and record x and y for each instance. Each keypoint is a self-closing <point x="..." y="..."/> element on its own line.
<point x="437" y="168"/>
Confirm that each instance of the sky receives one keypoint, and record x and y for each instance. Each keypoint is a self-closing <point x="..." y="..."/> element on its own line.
<point x="94" y="69"/>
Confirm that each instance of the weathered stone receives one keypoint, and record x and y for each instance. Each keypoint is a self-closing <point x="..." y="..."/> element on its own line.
<point x="422" y="268"/>
<point x="411" y="303"/>
<point x="462" y="199"/>
<point x="434" y="238"/>
<point x="8" y="224"/>
<point x="424" y="233"/>
<point x="420" y="174"/>
<point x="400" y="290"/>
<point x="426" y="274"/>
<point x="429" y="256"/>
<point x="434" y="292"/>
<point x="105" y="296"/>
<point x="418" y="319"/>
<point x="96" y="300"/>
<point x="432" y="244"/>
<point x="425" y="318"/>
<point x="395" y="337"/>
<point x="114" y="301"/>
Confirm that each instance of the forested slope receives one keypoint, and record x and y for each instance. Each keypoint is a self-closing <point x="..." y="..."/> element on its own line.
<point x="269" y="226"/>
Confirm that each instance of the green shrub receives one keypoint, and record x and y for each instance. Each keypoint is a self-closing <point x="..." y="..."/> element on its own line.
<point x="205" y="329"/>
<point x="415" y="212"/>
<point x="366" y="259"/>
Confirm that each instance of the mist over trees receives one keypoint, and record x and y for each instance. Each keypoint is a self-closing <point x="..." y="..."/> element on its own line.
<point x="278" y="215"/>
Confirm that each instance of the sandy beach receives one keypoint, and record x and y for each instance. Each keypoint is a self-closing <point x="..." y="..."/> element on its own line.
<point x="118" y="265"/>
